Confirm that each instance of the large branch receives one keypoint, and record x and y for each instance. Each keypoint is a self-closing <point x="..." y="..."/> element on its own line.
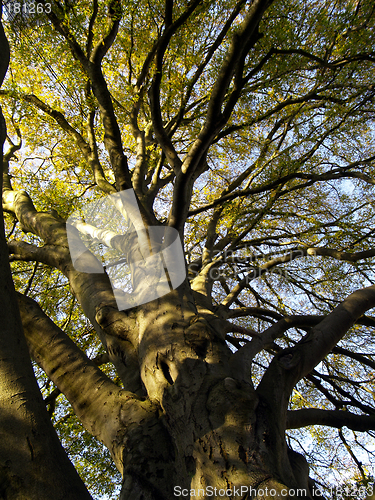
<point x="195" y="162"/>
<point x="105" y="43"/>
<point x="324" y="336"/>
<point x="104" y="408"/>
<point x="90" y="33"/>
<point x="331" y="418"/>
<point x="176" y="121"/>
<point x="5" y="53"/>
<point x="290" y="365"/>
<point x="116" y="330"/>
<point x="160" y="132"/>
<point x="82" y="382"/>
<point x="339" y="255"/>
<point x="232" y="66"/>
<point x="242" y="359"/>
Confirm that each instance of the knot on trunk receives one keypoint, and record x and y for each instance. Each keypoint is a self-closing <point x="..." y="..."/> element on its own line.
<point x="231" y="403"/>
<point x="288" y="359"/>
<point x="197" y="336"/>
<point x="110" y="319"/>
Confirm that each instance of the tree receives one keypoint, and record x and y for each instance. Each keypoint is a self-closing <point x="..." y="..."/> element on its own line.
<point x="247" y="127"/>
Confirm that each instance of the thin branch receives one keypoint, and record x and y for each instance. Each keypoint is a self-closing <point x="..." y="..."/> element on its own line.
<point x="105" y="43"/>
<point x="324" y="63"/>
<point x="331" y="418"/>
<point x="92" y="67"/>
<point x="339" y="173"/>
<point x="29" y="283"/>
<point x="352" y="454"/>
<point x="361" y="358"/>
<point x="89" y="151"/>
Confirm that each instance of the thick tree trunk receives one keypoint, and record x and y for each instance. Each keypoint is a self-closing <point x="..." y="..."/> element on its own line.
<point x="187" y="421"/>
<point x="199" y="428"/>
<point x="217" y="432"/>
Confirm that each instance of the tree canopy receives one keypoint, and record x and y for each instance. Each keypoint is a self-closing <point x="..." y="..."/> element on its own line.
<point x="247" y="126"/>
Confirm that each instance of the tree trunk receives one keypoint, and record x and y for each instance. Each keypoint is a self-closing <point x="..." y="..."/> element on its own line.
<point x="196" y="427"/>
<point x="217" y="432"/>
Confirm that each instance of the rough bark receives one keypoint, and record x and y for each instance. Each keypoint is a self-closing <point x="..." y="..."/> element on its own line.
<point x="199" y="427"/>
